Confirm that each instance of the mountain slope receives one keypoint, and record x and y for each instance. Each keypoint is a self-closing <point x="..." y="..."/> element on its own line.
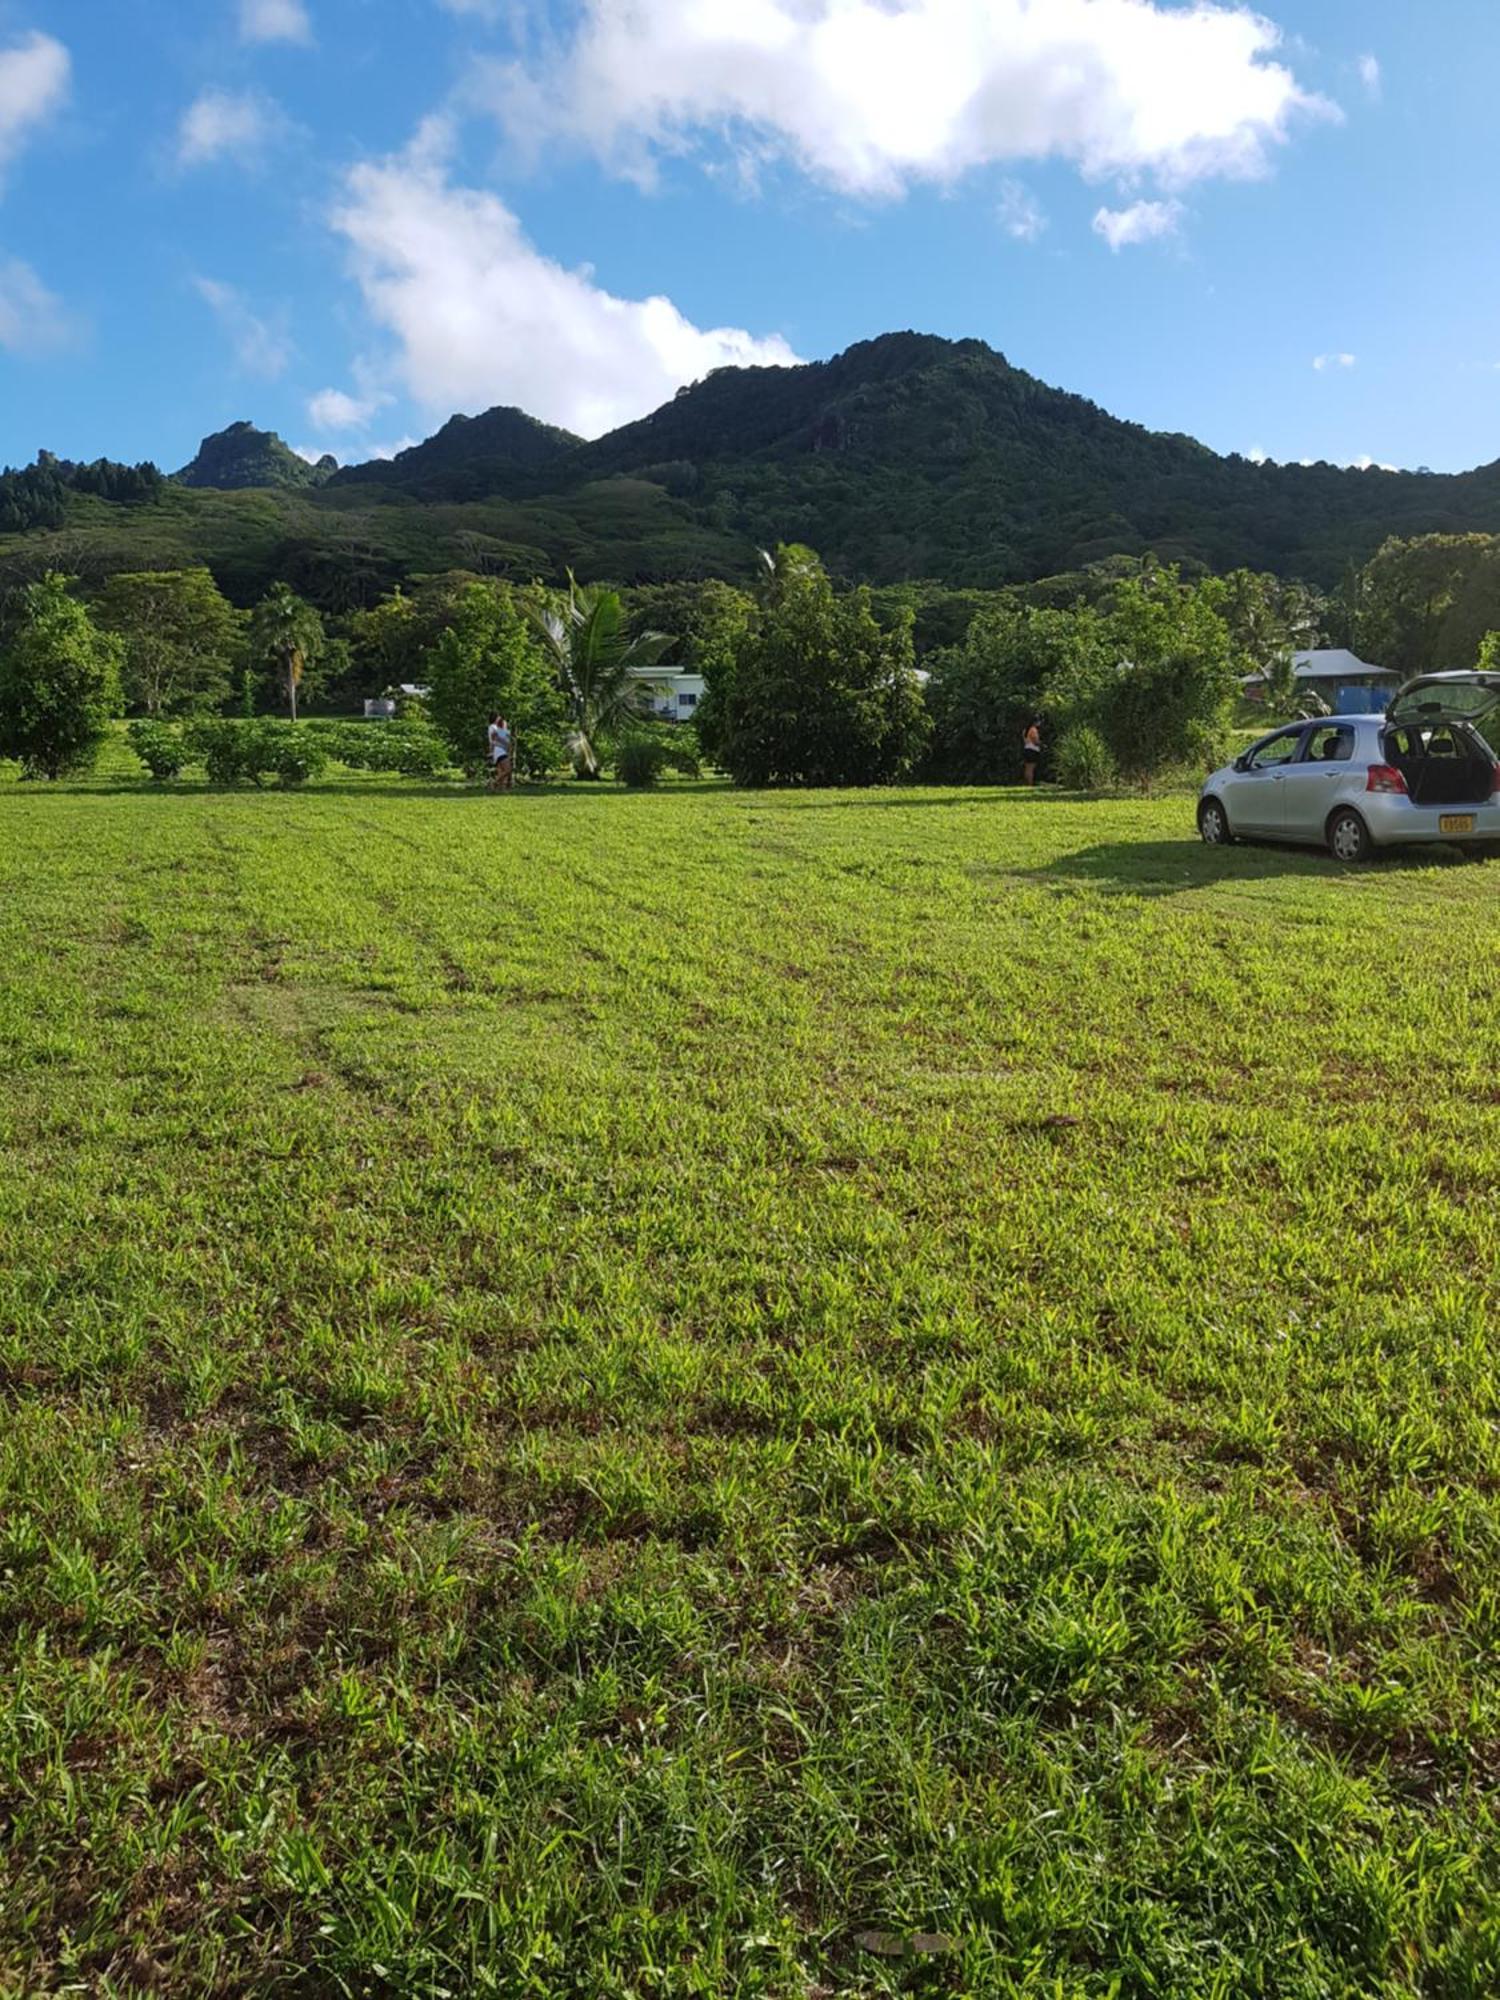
<point x="911" y="456"/>
<point x="470" y="458"/>
<point x="240" y="457"/>
<point x="906" y="457"/>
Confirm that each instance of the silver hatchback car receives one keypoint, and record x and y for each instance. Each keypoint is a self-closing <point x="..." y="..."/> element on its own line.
<point x="1352" y="783"/>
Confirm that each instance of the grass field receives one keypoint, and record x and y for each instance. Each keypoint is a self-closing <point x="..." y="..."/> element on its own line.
<point x="649" y="1396"/>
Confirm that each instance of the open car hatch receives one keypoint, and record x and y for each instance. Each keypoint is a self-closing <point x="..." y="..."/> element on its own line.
<point x="1473" y="698"/>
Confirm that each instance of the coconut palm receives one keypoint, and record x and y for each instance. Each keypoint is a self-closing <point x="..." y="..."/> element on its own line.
<point x="286" y="637"/>
<point x="598" y="668"/>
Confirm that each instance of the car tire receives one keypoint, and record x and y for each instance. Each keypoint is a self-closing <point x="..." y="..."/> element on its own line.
<point x="1213" y="824"/>
<point x="1348" y="837"/>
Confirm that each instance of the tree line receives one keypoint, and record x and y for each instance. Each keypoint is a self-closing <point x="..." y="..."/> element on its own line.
<point x="1134" y="668"/>
<point x="35" y="496"/>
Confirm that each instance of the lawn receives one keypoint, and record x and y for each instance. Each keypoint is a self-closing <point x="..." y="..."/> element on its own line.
<point x="641" y="1396"/>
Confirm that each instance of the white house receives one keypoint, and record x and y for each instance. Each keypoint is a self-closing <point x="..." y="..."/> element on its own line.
<point x="674" y="697"/>
<point x="1341" y="679"/>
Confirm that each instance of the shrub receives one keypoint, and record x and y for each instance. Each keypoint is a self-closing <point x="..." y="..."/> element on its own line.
<point x="1083" y="762"/>
<point x="223" y="745"/>
<point x="407" y="749"/>
<point x="683" y="753"/>
<point x="160" y="748"/>
<point x="297" y="755"/>
<point x="239" y="751"/>
<point x="640" y="760"/>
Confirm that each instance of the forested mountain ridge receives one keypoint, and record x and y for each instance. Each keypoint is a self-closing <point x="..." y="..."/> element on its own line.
<point x="907" y="456"/>
<point x="241" y="457"/>
<point x="470" y="458"/>
<point x="914" y="456"/>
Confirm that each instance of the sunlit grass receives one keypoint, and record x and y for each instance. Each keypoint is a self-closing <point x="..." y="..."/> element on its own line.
<point x="603" y="1394"/>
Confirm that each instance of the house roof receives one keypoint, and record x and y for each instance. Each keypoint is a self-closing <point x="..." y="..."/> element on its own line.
<point x="1336" y="663"/>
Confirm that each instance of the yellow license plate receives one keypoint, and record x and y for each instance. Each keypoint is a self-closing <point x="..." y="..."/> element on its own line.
<point x="1456" y="823"/>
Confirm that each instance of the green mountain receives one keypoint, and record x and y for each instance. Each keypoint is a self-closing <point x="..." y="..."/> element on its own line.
<point x="906" y="457"/>
<point x="470" y="458"/>
<point x="242" y="456"/>
<point x="912" y="456"/>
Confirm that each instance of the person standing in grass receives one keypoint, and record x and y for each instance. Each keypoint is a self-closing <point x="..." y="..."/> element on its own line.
<point x="505" y="766"/>
<point x="1031" y="750"/>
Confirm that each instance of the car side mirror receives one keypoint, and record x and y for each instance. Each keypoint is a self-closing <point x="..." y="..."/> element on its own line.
<point x="1242" y="763"/>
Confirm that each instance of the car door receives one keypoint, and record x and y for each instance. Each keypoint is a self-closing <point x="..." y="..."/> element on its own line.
<point x="1255" y="790"/>
<point x="1312" y="782"/>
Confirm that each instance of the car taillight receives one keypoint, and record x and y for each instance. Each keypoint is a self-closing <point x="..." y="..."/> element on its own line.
<point x="1385" y="778"/>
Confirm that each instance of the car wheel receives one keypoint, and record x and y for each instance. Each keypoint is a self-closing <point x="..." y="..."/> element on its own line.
<point x="1213" y="824"/>
<point x="1349" y="837"/>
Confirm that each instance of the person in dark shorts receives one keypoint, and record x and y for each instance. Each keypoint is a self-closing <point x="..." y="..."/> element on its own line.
<point x="1031" y="751"/>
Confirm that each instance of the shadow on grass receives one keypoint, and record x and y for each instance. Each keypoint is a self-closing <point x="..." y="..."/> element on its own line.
<point x="1176" y="867"/>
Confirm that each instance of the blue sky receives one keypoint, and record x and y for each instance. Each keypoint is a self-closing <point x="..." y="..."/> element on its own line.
<point x="348" y="218"/>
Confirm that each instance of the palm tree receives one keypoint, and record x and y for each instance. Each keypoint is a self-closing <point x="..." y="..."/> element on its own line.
<point x="598" y="668"/>
<point x="286" y="635"/>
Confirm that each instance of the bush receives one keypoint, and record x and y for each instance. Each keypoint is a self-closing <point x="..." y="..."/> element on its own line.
<point x="298" y="756"/>
<point x="683" y="754"/>
<point x="1083" y="761"/>
<point x="241" y="751"/>
<point x="160" y="748"/>
<point x="640" y="760"/>
<point x="410" y="749"/>
<point x="224" y="747"/>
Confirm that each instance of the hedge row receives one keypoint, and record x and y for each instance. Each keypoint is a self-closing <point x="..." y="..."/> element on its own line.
<point x="256" y="750"/>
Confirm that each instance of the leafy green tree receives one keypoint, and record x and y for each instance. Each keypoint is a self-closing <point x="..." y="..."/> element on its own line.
<point x="1425" y="604"/>
<point x="600" y="668"/>
<point x="1166" y="700"/>
<point x="488" y="661"/>
<point x="385" y="643"/>
<point x="181" y="636"/>
<point x="287" y="642"/>
<point x="59" y="683"/>
<point x="1014" y="662"/>
<point x="821" y="695"/>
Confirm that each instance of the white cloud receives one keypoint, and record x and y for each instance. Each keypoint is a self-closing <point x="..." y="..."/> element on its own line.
<point x="261" y="347"/>
<point x="337" y="410"/>
<point x="1142" y="222"/>
<point x="1368" y="464"/>
<point x="871" y="95"/>
<point x="357" y="454"/>
<point x="1021" y="214"/>
<point x="33" y="320"/>
<point x="1257" y="455"/>
<point x="34" y="77"/>
<point x="1323" y="362"/>
<point x="482" y="317"/>
<point x="224" y="124"/>
<point x="1369" y="74"/>
<point x="275" y="21"/>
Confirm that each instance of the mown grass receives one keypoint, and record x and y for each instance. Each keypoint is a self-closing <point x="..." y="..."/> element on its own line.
<point x="609" y="1395"/>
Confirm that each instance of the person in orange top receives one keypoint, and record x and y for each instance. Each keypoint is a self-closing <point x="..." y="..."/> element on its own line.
<point x="1031" y="751"/>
